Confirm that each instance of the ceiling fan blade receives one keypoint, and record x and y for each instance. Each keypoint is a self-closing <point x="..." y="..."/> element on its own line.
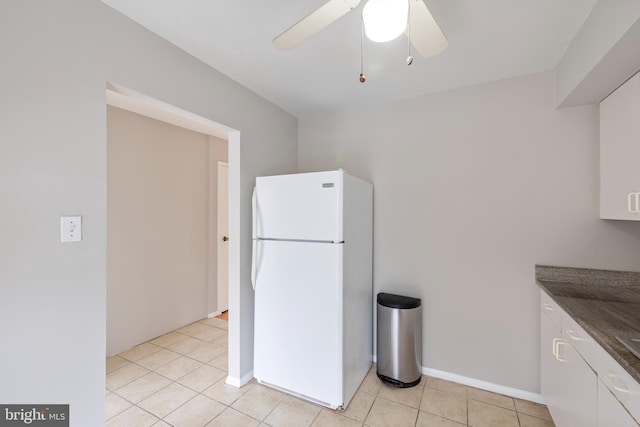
<point x="322" y="17"/>
<point x="426" y="35"/>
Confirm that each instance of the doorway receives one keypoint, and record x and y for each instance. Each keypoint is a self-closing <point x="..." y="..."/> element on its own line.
<point x="127" y="99"/>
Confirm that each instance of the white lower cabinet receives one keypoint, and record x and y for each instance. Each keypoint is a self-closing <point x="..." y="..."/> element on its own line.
<point x="610" y="411"/>
<point x="550" y="383"/>
<point x="576" y="376"/>
<point x="569" y="386"/>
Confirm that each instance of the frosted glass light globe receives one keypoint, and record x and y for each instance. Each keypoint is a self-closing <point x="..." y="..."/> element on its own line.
<point x="385" y="20"/>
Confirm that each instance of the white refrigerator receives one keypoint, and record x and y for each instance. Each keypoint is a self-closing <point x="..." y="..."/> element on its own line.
<point x="312" y="276"/>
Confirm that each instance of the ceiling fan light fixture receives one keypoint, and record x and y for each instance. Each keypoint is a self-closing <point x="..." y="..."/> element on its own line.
<point x="385" y="20"/>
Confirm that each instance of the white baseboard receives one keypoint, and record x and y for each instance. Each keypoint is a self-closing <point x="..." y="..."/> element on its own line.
<point x="239" y="382"/>
<point x="214" y="314"/>
<point x="484" y="385"/>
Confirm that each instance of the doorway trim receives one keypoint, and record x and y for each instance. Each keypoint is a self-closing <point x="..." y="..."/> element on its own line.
<point x="127" y="99"/>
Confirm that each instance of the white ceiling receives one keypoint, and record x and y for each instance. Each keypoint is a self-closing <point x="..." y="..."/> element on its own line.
<point x="488" y="40"/>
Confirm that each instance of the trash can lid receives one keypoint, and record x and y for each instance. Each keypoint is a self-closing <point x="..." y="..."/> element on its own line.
<point x="398" y="301"/>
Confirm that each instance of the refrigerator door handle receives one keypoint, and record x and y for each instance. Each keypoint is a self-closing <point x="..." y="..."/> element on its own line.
<point x="253" y="263"/>
<point x="254" y="214"/>
<point x="254" y="223"/>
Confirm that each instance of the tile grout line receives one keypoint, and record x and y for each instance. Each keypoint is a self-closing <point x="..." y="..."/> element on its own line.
<point x="163" y="418"/>
<point x="316" y="417"/>
<point x="466" y="398"/>
<point x="375" y="397"/>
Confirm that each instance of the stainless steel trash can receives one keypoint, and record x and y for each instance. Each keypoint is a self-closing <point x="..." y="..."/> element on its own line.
<point x="399" y="340"/>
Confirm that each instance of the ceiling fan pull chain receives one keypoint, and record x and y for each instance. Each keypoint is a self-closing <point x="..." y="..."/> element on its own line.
<point x="362" y="77"/>
<point x="409" y="59"/>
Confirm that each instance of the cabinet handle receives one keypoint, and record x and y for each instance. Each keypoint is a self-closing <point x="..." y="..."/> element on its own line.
<point x="557" y="342"/>
<point x="573" y="335"/>
<point x="547" y="307"/>
<point x="555" y="350"/>
<point x="633" y="202"/>
<point x="612" y="378"/>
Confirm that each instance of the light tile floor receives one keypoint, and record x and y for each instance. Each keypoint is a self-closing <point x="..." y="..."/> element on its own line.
<point x="178" y="379"/>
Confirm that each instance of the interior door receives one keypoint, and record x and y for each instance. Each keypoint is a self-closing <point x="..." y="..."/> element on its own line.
<point x="223" y="238"/>
<point x="298" y="318"/>
<point x="306" y="206"/>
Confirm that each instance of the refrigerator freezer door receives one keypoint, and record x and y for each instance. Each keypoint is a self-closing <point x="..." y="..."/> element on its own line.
<point x="306" y="206"/>
<point x="298" y="319"/>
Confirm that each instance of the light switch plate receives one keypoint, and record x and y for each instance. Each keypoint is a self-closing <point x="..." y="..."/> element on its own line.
<point x="70" y="229"/>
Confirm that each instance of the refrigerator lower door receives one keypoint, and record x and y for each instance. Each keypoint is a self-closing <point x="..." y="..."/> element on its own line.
<point x="298" y="319"/>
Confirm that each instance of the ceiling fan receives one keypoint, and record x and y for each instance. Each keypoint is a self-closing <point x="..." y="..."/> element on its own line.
<point x="421" y="28"/>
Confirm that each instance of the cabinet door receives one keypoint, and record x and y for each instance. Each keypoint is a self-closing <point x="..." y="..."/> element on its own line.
<point x="551" y="375"/>
<point x="580" y="388"/>
<point x="568" y="384"/>
<point x="610" y="411"/>
<point x="619" y="152"/>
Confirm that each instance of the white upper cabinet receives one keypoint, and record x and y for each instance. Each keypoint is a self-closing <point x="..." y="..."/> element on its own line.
<point x="620" y="152"/>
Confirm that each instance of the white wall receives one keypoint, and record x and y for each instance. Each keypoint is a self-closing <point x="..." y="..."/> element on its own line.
<point x="472" y="187"/>
<point x="158" y="246"/>
<point x="57" y="57"/>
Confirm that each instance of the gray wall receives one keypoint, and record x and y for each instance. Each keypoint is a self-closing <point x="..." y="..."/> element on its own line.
<point x="158" y="246"/>
<point x="57" y="57"/>
<point x="472" y="187"/>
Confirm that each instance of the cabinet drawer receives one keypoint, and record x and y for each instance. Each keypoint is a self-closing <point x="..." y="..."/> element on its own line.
<point x="578" y="338"/>
<point x="623" y="386"/>
<point x="550" y="308"/>
<point x="610" y="411"/>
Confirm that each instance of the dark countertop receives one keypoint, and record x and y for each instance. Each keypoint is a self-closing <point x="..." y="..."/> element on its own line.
<point x="605" y="303"/>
